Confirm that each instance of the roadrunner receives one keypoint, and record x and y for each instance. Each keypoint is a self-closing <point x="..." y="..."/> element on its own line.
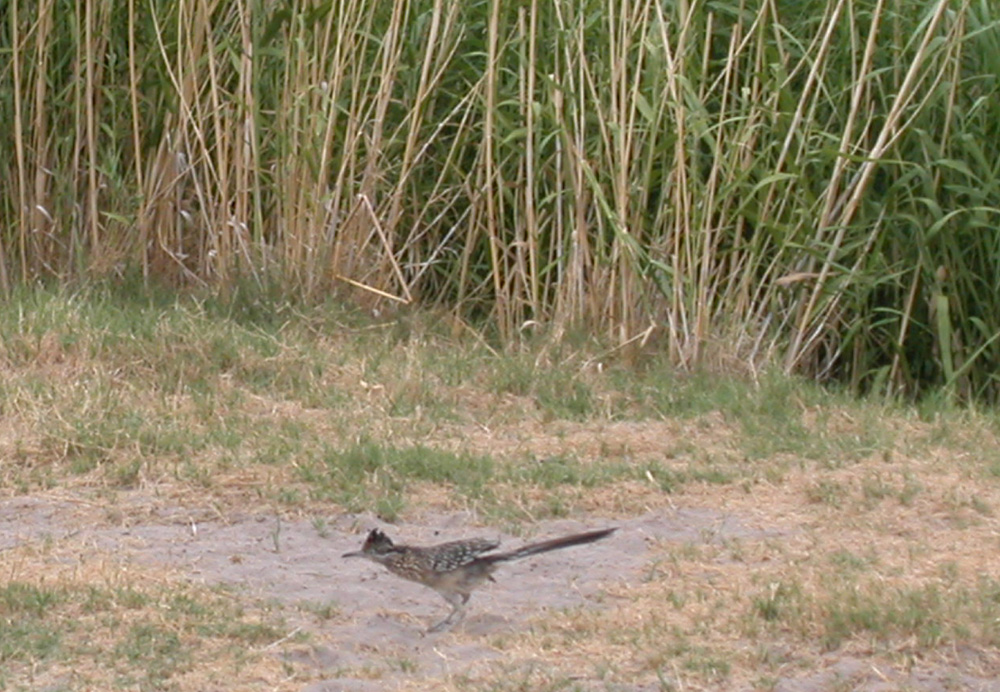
<point x="455" y="569"/>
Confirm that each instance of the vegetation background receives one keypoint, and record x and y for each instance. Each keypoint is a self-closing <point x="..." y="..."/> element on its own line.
<point x="602" y="206"/>
<point x="807" y="183"/>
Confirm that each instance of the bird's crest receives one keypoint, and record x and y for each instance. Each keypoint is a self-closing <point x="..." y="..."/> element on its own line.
<point x="377" y="543"/>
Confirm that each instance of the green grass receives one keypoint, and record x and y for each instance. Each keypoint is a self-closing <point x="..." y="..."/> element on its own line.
<point x="925" y="614"/>
<point x="146" y="636"/>
<point x="155" y="650"/>
<point x="781" y="602"/>
<point x="852" y="605"/>
<point x="149" y="384"/>
<point x="369" y="473"/>
<point x="31" y="631"/>
<point x="849" y="562"/>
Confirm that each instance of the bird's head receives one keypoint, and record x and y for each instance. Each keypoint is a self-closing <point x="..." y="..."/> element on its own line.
<point x="376" y="545"/>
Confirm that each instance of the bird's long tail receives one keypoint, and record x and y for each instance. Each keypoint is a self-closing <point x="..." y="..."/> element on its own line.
<point x="553" y="544"/>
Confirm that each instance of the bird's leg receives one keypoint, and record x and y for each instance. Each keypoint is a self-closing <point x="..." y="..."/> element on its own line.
<point x="457" y="601"/>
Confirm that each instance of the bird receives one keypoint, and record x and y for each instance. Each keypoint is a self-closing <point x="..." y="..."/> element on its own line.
<point x="455" y="569"/>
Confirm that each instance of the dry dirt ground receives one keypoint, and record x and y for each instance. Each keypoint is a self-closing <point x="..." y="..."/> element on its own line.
<point x="665" y="603"/>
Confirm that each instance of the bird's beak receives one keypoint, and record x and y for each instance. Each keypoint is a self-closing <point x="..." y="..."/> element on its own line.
<point x="356" y="553"/>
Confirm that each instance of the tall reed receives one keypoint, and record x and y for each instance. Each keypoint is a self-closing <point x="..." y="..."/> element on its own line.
<point x="808" y="183"/>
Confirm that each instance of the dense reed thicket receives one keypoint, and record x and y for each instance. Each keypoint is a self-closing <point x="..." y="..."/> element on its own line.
<point x="812" y="183"/>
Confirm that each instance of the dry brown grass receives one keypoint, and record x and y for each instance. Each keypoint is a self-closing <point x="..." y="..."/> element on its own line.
<point x="122" y="624"/>
<point x="692" y="615"/>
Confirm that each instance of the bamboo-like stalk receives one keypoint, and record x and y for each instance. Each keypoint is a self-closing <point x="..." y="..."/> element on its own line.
<point x="19" y="155"/>
<point x="491" y="178"/>
<point x="760" y="186"/>
<point x="137" y="132"/>
<point x="803" y="336"/>
<point x="90" y="124"/>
